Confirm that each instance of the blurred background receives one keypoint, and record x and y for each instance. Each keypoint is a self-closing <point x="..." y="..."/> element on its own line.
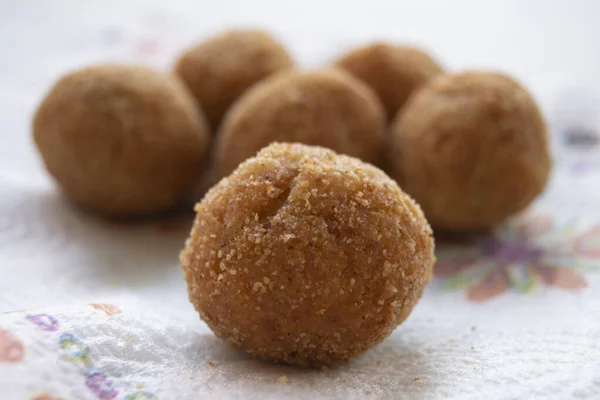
<point x="553" y="47"/>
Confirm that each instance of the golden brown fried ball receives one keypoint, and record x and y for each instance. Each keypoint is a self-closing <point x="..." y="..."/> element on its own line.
<point x="472" y="149"/>
<point x="306" y="257"/>
<point x="326" y="108"/>
<point x="393" y="72"/>
<point x="220" y="69"/>
<point x="121" y="140"/>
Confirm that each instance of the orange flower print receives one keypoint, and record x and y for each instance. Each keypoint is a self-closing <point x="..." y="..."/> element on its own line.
<point x="520" y="255"/>
<point x="109" y="309"/>
<point x="46" y="396"/>
<point x="12" y="349"/>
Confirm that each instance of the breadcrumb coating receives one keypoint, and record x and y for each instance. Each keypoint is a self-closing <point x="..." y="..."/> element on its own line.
<point x="472" y="149"/>
<point x="393" y="72"/>
<point x="306" y="257"/>
<point x="220" y="69"/>
<point x="328" y="108"/>
<point x="122" y="140"/>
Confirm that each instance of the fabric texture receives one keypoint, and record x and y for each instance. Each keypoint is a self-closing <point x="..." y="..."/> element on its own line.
<point x="93" y="309"/>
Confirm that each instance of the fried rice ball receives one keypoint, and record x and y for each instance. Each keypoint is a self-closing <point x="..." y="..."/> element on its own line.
<point x="121" y="140"/>
<point x="472" y="149"/>
<point x="306" y="257"/>
<point x="392" y="71"/>
<point x="220" y="69"/>
<point x="328" y="108"/>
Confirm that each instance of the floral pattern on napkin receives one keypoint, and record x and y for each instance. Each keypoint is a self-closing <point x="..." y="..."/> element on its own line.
<point x="522" y="254"/>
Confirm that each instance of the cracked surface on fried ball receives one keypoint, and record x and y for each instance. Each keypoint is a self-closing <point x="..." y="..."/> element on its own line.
<point x="472" y="149"/>
<point x="220" y="69"/>
<point x="328" y="108"/>
<point x="306" y="257"/>
<point x="121" y="140"/>
<point x="392" y="71"/>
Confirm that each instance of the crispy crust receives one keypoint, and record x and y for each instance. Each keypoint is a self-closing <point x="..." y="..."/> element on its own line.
<point x="306" y="257"/>
<point x="472" y="149"/>
<point x="326" y="108"/>
<point x="121" y="140"/>
<point x="220" y="69"/>
<point x="393" y="72"/>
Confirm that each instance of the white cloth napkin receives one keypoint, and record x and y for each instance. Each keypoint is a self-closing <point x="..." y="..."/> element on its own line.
<point x="91" y="309"/>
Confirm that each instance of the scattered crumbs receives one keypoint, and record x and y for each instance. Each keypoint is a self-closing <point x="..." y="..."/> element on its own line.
<point x="212" y="364"/>
<point x="282" y="379"/>
<point x="258" y="287"/>
<point x="416" y="379"/>
<point x="378" y="363"/>
<point x="473" y="328"/>
<point x="139" y="387"/>
<point x="472" y="347"/>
